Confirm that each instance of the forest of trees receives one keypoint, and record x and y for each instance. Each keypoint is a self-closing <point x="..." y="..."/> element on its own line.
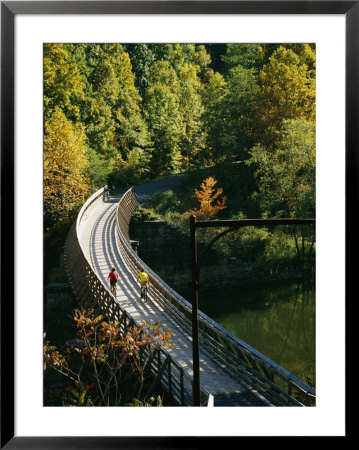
<point x="120" y="114"/>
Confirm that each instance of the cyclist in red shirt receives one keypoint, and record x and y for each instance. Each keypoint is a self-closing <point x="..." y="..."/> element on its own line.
<point x="113" y="277"/>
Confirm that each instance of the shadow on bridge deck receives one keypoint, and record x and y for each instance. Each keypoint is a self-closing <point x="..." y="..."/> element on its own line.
<point x="246" y="398"/>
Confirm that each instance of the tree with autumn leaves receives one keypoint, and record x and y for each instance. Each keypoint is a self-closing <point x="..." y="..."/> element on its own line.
<point x="66" y="184"/>
<point x="287" y="92"/>
<point x="208" y="197"/>
<point x="107" y="366"/>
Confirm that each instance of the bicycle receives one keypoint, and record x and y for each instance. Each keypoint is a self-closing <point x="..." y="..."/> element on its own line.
<point x="113" y="289"/>
<point x="144" y="293"/>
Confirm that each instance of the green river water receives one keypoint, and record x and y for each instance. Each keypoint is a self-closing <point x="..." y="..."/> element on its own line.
<point x="277" y="319"/>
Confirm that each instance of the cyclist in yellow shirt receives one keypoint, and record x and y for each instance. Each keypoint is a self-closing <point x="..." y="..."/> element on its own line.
<point x="143" y="278"/>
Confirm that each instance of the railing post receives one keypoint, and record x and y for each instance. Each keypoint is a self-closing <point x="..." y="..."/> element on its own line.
<point x="195" y="334"/>
<point x="181" y="387"/>
<point x="169" y="378"/>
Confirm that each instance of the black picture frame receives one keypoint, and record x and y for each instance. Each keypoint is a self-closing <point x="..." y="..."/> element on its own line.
<point x="9" y="10"/>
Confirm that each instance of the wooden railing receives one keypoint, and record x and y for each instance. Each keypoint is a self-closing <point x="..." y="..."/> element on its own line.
<point x="92" y="293"/>
<point x="271" y="382"/>
<point x="88" y="289"/>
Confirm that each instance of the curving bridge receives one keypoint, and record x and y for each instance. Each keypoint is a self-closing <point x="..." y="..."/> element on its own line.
<point x="232" y="373"/>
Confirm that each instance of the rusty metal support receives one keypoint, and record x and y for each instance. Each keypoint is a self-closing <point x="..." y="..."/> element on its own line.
<point x="231" y="225"/>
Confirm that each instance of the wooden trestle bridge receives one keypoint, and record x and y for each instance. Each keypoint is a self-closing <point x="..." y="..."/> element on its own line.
<point x="232" y="372"/>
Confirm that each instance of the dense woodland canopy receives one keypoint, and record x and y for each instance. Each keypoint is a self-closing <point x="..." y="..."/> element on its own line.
<point x="119" y="114"/>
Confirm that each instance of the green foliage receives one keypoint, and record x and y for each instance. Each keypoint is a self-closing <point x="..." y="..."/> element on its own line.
<point x="163" y="114"/>
<point x="286" y="180"/>
<point x="245" y="55"/>
<point x="54" y="240"/>
<point x="229" y="112"/>
<point x="132" y="170"/>
<point x="63" y="82"/>
<point x="152" y="401"/>
<point x="93" y="85"/>
<point x="113" y="113"/>
<point x="248" y="245"/>
<point x="307" y="55"/>
<point x="194" y="116"/>
<point x="263" y="249"/>
<point x="143" y="214"/>
<point x="98" y="170"/>
<point x="120" y="114"/>
<point x="215" y="120"/>
<point x="193" y="140"/>
<point x="162" y="52"/>
<point x="174" y="106"/>
<point x="202" y="59"/>
<point x="237" y="182"/>
<point x="242" y="92"/>
<point x="286" y="175"/>
<point x="141" y="57"/>
<point x="178" y="219"/>
<point x="287" y="92"/>
<point x="164" y="201"/>
<point x="57" y="275"/>
<point x="216" y="51"/>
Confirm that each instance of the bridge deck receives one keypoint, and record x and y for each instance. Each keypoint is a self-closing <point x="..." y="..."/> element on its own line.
<point x="99" y="240"/>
